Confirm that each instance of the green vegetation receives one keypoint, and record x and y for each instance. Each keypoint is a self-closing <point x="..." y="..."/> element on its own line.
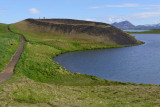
<point x="145" y="32"/>
<point x="8" y="45"/>
<point x="37" y="64"/>
<point x="21" y="91"/>
<point x="39" y="81"/>
<point x="40" y="50"/>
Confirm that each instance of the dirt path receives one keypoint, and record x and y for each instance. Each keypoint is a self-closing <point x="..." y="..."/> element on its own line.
<point x="9" y="70"/>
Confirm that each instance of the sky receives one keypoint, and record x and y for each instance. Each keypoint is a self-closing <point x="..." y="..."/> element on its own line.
<point x="138" y="12"/>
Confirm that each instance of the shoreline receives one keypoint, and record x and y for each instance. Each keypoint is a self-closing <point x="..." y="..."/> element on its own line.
<point x="70" y="89"/>
<point x="146" y="32"/>
<point x="132" y="83"/>
<point x="93" y="48"/>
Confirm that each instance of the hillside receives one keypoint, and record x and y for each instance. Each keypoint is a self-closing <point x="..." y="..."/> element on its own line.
<point x="40" y="82"/>
<point x="61" y="38"/>
<point x="77" y="29"/>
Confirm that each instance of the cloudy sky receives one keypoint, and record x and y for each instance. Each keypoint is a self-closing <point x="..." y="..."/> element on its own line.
<point x="136" y="11"/>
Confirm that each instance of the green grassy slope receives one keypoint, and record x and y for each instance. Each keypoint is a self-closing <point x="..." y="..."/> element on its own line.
<point x="39" y="82"/>
<point x="8" y="45"/>
<point x="40" y="50"/>
<point x="20" y="91"/>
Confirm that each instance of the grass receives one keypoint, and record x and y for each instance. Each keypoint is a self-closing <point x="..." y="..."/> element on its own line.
<point x="21" y="91"/>
<point x="8" y="45"/>
<point x="39" y="82"/>
<point x="37" y="64"/>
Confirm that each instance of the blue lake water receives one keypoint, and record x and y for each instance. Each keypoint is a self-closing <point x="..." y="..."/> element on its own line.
<point x="137" y="64"/>
<point x="135" y="30"/>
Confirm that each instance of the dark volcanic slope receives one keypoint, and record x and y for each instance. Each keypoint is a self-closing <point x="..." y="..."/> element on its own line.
<point x="75" y="27"/>
<point x="73" y="22"/>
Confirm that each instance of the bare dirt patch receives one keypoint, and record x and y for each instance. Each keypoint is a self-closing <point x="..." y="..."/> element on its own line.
<point x="9" y="70"/>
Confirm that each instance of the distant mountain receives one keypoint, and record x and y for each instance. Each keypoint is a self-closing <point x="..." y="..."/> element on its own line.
<point x="148" y="27"/>
<point x="126" y="25"/>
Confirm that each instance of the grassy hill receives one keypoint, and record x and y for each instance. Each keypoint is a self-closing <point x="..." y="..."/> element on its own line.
<point x="39" y="81"/>
<point x="92" y="32"/>
<point x="44" y="38"/>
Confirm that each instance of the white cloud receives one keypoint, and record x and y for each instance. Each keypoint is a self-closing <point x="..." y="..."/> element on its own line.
<point x="110" y="19"/>
<point x="90" y="19"/>
<point x="151" y="12"/>
<point x="96" y="7"/>
<point x="148" y="7"/>
<point x="131" y="17"/>
<point x="122" y="5"/>
<point x="34" y="11"/>
<point x="130" y="5"/>
<point x="147" y="14"/>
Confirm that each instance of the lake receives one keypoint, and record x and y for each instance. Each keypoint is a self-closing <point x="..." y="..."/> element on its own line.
<point x="137" y="64"/>
<point x="135" y="30"/>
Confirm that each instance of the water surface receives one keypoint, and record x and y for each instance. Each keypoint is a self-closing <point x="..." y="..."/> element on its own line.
<point x="135" y="30"/>
<point x="137" y="64"/>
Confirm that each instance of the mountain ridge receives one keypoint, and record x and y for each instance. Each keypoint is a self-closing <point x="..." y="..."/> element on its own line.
<point x="126" y="25"/>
